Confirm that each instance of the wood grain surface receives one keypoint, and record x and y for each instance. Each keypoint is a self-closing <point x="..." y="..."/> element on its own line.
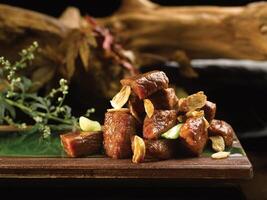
<point x="190" y="168"/>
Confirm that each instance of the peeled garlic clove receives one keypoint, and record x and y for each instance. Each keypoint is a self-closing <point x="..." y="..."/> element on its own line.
<point x="220" y="155"/>
<point x="149" y="107"/>
<point x="197" y="100"/>
<point x="207" y="124"/>
<point x="89" y="125"/>
<point x="217" y="143"/>
<point x="192" y="102"/>
<point x="121" y="98"/>
<point x="139" y="149"/>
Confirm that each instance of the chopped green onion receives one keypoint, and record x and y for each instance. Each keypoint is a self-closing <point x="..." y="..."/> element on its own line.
<point x="173" y="133"/>
<point x="89" y="125"/>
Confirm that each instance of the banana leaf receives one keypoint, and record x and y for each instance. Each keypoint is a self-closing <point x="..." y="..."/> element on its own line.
<point x="30" y="145"/>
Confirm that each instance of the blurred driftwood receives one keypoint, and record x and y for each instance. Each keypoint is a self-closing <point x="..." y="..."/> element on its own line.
<point x="78" y="49"/>
<point x="154" y="32"/>
<point x="71" y="47"/>
<point x="19" y="28"/>
<point x="200" y="31"/>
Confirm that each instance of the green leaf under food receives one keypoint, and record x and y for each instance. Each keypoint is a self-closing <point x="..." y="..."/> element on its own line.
<point x="30" y="145"/>
<point x="173" y="133"/>
<point x="236" y="150"/>
<point x="208" y="151"/>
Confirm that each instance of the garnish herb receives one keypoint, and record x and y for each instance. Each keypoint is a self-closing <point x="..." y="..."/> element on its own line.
<point x="15" y="94"/>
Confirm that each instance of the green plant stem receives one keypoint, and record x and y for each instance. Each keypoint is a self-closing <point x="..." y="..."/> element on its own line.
<point x="28" y="110"/>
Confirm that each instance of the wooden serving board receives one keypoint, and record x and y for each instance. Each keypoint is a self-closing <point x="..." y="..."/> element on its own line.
<point x="238" y="168"/>
<point x="201" y="168"/>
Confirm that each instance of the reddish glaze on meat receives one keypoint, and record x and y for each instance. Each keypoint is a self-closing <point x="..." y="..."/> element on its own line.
<point x="194" y="135"/>
<point x="146" y="84"/>
<point x="161" y="149"/>
<point x="119" y="127"/>
<point x="219" y="127"/>
<point x="77" y="144"/>
<point x="158" y="123"/>
<point x="164" y="99"/>
<point x="209" y="110"/>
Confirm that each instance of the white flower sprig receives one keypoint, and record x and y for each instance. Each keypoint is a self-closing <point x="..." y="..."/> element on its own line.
<point x="44" y="111"/>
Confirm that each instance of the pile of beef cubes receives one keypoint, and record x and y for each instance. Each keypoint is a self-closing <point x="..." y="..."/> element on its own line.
<point x="139" y="130"/>
<point x="148" y="121"/>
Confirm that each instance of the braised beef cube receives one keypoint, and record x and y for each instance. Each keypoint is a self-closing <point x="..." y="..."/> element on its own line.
<point x="209" y="110"/>
<point x="119" y="127"/>
<point x="137" y="109"/>
<point x="77" y="144"/>
<point x="161" y="149"/>
<point x="158" y="123"/>
<point x="221" y="128"/>
<point x="146" y="84"/>
<point x="164" y="99"/>
<point x="193" y="136"/>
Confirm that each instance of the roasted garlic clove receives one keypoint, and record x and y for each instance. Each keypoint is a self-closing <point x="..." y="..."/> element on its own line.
<point x="217" y="143"/>
<point x="139" y="149"/>
<point x="192" y="102"/>
<point x="220" y="155"/>
<point x="121" y="98"/>
<point x="149" y="107"/>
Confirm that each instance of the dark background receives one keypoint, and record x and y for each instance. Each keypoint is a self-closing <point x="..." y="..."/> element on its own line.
<point x="256" y="148"/>
<point x="103" y="7"/>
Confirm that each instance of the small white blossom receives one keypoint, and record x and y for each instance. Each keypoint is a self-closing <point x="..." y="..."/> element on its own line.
<point x="24" y="51"/>
<point x="65" y="87"/>
<point x="38" y="119"/>
<point x="62" y="82"/>
<point x="46" y="132"/>
<point x="35" y="44"/>
<point x="23" y="126"/>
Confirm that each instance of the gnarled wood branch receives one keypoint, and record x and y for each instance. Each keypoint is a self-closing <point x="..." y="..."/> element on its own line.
<point x="200" y="31"/>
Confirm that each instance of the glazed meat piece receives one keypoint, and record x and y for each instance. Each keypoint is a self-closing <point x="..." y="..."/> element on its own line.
<point x="193" y="135"/>
<point x="146" y="84"/>
<point x="209" y="110"/>
<point x="158" y="123"/>
<point x="221" y="128"/>
<point x="136" y="107"/>
<point x="119" y="127"/>
<point x="77" y="144"/>
<point x="161" y="149"/>
<point x="164" y="99"/>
